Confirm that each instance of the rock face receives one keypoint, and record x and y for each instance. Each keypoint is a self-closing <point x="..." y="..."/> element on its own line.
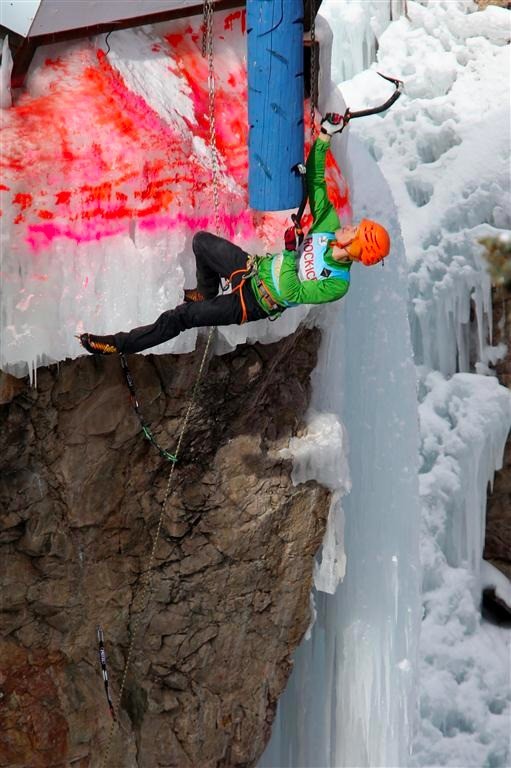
<point x="485" y="3"/>
<point x="81" y="493"/>
<point x="498" y="515"/>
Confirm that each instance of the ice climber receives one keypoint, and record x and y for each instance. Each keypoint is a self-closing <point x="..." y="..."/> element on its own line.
<point x="317" y="271"/>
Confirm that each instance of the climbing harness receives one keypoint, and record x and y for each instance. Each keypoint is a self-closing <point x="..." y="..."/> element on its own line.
<point x="246" y="272"/>
<point x="141" y="599"/>
<point x="296" y="218"/>
<point x="250" y="271"/>
<point x="275" y="309"/>
<point x="136" y="407"/>
<point x="104" y="670"/>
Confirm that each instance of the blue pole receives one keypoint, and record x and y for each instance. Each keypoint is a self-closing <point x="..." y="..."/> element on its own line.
<point x="275" y="102"/>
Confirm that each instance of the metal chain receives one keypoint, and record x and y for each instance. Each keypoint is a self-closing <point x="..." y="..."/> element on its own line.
<point x="143" y="595"/>
<point x="207" y="50"/>
<point x="314" y="74"/>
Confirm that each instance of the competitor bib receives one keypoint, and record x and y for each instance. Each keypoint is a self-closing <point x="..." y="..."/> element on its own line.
<point x="312" y="265"/>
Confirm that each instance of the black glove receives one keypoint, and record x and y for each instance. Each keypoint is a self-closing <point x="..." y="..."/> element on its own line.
<point x="332" y="123"/>
<point x="290" y="239"/>
<point x="293" y="238"/>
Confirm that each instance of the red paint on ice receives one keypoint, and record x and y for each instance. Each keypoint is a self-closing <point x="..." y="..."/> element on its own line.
<point x="241" y="17"/>
<point x="24" y="200"/>
<point x="62" y="197"/>
<point x="106" y="158"/>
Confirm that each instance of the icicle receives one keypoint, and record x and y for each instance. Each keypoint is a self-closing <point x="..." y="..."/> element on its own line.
<point x="5" y="75"/>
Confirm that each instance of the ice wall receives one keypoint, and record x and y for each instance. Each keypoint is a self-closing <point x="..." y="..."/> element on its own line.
<point x="351" y="698"/>
<point x="444" y="149"/>
<point x="357" y="27"/>
<point x="6" y="64"/>
<point x="464" y="694"/>
<point x="451" y="187"/>
<point x="106" y="174"/>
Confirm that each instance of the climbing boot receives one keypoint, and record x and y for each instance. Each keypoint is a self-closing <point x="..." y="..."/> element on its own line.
<point x="98" y="345"/>
<point x="193" y="294"/>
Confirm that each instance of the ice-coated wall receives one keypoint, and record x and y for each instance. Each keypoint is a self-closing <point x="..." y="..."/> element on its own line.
<point x="465" y="669"/>
<point x="351" y="698"/>
<point x="106" y="175"/>
<point x="357" y="27"/>
<point x="444" y="150"/>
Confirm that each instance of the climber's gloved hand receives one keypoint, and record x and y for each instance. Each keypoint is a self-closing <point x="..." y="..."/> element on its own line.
<point x="332" y="123"/>
<point x="293" y="238"/>
<point x="290" y="239"/>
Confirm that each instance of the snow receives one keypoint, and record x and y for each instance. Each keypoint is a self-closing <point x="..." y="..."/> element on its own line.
<point x="321" y="454"/>
<point x="445" y="151"/>
<point x="491" y="577"/>
<point x="465" y="701"/>
<point x="108" y="175"/>
<point x="464" y="424"/>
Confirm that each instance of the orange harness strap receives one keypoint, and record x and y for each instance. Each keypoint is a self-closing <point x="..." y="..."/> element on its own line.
<point x="247" y="271"/>
<point x="239" y="290"/>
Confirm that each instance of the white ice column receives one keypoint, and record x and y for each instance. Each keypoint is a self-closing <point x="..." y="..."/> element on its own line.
<point x="351" y="697"/>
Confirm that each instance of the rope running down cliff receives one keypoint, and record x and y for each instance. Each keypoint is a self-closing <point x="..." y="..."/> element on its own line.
<point x="143" y="595"/>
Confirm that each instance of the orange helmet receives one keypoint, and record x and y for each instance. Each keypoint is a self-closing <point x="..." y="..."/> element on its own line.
<point x="371" y="244"/>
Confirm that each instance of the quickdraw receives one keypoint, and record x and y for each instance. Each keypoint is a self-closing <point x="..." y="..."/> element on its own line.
<point x="136" y="407"/>
<point x="104" y="670"/>
<point x="296" y="218"/>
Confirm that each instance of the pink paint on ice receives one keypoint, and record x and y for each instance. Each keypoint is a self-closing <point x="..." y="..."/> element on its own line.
<point x="89" y="157"/>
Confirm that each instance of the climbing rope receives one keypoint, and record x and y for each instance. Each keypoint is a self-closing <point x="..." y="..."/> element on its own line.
<point x="143" y="595"/>
<point x="141" y="599"/>
<point x="146" y="429"/>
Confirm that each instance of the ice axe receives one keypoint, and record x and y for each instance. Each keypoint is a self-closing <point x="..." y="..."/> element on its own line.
<point x="296" y="218"/>
<point x="349" y="115"/>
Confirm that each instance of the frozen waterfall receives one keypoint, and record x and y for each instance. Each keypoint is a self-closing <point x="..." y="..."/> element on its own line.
<point x="356" y="673"/>
<point x="350" y="700"/>
<point x="107" y="175"/>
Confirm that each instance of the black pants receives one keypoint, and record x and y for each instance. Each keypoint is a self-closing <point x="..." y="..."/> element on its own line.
<point x="215" y="258"/>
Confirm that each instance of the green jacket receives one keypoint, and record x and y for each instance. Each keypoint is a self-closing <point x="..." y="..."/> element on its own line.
<point x="290" y="288"/>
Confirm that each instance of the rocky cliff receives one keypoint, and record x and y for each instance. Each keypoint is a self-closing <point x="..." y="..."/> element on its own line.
<point x="80" y="497"/>
<point x="498" y="516"/>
